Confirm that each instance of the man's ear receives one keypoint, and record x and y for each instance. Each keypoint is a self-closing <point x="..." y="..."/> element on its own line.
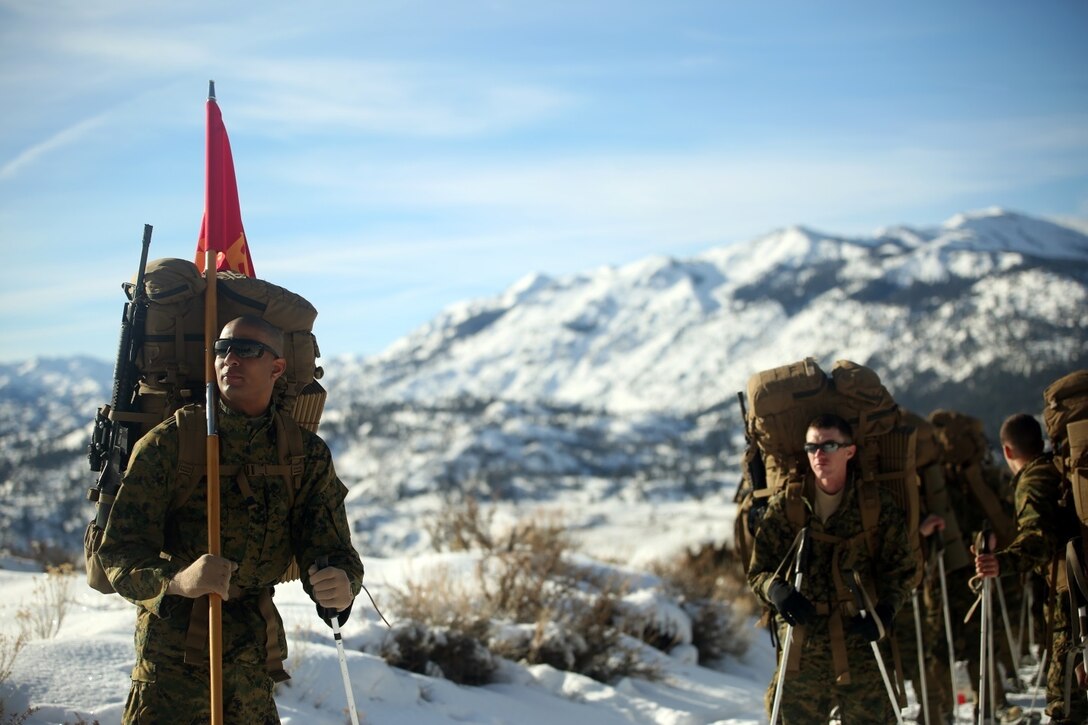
<point x="1008" y="451"/>
<point x="279" y="367"/>
<point x="851" y="451"/>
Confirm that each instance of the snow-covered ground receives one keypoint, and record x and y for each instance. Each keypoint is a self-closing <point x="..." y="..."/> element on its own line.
<point x="81" y="674"/>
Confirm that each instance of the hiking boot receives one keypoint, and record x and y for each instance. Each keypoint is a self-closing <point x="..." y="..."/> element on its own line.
<point x="1010" y="715"/>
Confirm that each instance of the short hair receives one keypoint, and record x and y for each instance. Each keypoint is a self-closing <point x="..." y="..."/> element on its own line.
<point x="830" y="420"/>
<point x="1022" y="433"/>
<point x="273" y="334"/>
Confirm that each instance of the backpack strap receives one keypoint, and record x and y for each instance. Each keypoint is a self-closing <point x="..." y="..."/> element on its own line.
<point x="192" y="456"/>
<point x="1003" y="526"/>
<point x="290" y="452"/>
<point x="796" y="512"/>
<point x="191" y="469"/>
<point x="192" y="452"/>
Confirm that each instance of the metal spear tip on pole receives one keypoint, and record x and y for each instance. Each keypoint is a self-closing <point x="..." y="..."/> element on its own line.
<point x="211" y="90"/>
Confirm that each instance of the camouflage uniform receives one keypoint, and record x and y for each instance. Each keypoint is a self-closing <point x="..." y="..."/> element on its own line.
<point x="260" y="531"/>
<point x="810" y="693"/>
<point x="1043" y="527"/>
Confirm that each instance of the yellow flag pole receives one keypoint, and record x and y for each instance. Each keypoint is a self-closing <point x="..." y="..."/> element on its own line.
<point x="211" y="332"/>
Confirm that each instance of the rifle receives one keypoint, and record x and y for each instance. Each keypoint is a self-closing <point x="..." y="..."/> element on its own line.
<point x="755" y="473"/>
<point x="113" y="434"/>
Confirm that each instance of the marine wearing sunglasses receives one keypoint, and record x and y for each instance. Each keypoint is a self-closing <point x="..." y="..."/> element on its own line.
<point x="825" y="447"/>
<point x="242" y="347"/>
<point x="829" y="452"/>
<point x="245" y="374"/>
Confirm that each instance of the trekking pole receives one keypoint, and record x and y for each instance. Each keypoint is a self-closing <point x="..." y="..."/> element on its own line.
<point x="865" y="609"/>
<point x="947" y="616"/>
<point x="1024" y="621"/>
<point x="800" y="564"/>
<point x="982" y="546"/>
<point x="1039" y="679"/>
<point x="1014" y="652"/>
<point x="921" y="655"/>
<point x="330" y="615"/>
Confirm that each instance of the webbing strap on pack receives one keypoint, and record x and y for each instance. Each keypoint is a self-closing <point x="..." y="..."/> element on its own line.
<point x="1003" y="526"/>
<point x="196" y="637"/>
<point x="191" y="470"/>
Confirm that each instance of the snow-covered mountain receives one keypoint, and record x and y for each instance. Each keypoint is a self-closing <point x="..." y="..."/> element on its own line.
<point x="982" y="297"/>
<point x="623" y="381"/>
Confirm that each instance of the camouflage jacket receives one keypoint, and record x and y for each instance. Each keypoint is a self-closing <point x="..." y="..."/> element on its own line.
<point x="1043" y="524"/>
<point x="838" y="544"/>
<point x="260" y="531"/>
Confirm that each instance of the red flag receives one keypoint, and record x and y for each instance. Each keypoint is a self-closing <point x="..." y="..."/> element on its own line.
<point x="221" y="228"/>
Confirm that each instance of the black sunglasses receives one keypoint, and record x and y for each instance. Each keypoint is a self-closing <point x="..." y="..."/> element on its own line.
<point x="826" y="447"/>
<point x="241" y="347"/>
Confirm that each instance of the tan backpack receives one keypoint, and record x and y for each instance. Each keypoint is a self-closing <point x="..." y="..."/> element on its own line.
<point x="785" y="399"/>
<point x="171" y="356"/>
<point x="965" y="454"/>
<point x="1065" y="414"/>
<point x="934" y="490"/>
<point x="169" y="361"/>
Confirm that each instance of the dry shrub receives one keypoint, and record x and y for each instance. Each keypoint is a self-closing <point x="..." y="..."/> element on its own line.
<point x="461" y="528"/>
<point x="583" y="634"/>
<point x="52" y="597"/>
<point x="712" y="587"/>
<point x="10" y="645"/>
<point x="456" y="652"/>
<point x="442" y="630"/>
<point x="16" y="718"/>
<point x="524" y="577"/>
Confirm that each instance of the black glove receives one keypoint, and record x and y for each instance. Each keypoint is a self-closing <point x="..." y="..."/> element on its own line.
<point x="794" y="606"/>
<point x="866" y="628"/>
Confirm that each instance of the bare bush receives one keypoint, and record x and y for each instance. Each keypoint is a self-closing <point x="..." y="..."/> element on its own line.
<point x="9" y="650"/>
<point x="456" y="652"/>
<point x="461" y="528"/>
<point x="712" y="588"/>
<point x="15" y="718"/>
<point x="52" y="597"/>
<point x="523" y="578"/>
<point x="583" y="634"/>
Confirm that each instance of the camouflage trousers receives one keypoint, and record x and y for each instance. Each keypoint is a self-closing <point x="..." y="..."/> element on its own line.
<point x="966" y="639"/>
<point x="937" y="688"/>
<point x="179" y="694"/>
<point x="810" y="693"/>
<point x="1062" y="646"/>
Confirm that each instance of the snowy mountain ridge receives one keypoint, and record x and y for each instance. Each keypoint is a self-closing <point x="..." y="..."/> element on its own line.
<point x="622" y="382"/>
<point x="664" y="334"/>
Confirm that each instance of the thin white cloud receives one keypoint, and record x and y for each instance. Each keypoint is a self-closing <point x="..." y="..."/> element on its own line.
<point x="315" y="96"/>
<point x="59" y="140"/>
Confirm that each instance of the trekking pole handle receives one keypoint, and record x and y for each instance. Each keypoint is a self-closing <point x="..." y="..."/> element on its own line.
<point x="327" y="613"/>
<point x="804" y="551"/>
<point x="982" y="541"/>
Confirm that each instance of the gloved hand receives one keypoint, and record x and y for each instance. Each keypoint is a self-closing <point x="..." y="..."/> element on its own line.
<point x="207" y="575"/>
<point x="794" y="606"/>
<point x="866" y="628"/>
<point x="332" y="589"/>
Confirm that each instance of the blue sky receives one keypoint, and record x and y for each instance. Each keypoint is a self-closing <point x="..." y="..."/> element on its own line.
<point x="396" y="157"/>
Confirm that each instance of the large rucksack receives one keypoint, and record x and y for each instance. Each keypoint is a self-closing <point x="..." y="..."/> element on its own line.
<point x="782" y="402"/>
<point x="169" y="362"/>
<point x="1065" y="414"/>
<point x="967" y="461"/>
<point x="934" y="490"/>
<point x="171" y="356"/>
